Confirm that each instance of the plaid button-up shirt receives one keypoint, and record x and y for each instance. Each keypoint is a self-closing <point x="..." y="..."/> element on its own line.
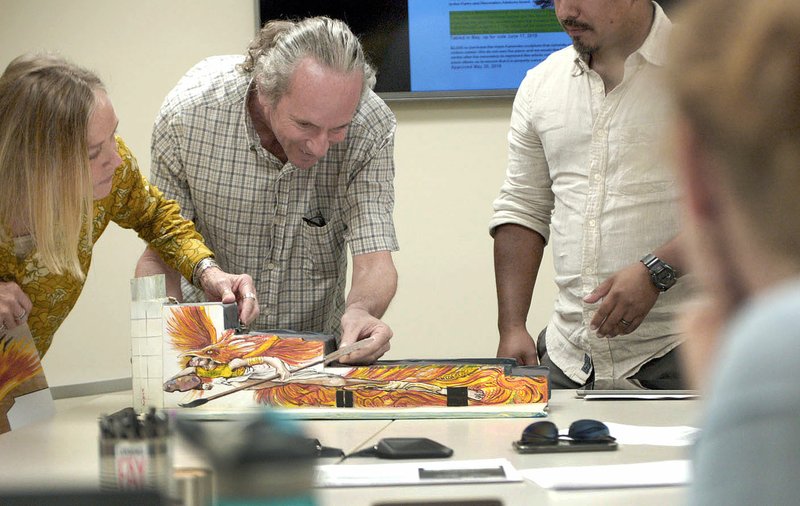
<point x="250" y="207"/>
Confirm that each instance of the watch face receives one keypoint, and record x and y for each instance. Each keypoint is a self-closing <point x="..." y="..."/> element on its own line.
<point x="661" y="273"/>
<point x="664" y="278"/>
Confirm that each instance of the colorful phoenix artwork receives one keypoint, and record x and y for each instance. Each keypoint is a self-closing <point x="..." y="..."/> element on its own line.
<point x="207" y="362"/>
<point x="21" y="372"/>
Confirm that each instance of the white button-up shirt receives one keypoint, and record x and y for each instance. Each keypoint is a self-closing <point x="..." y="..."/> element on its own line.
<point x="587" y="171"/>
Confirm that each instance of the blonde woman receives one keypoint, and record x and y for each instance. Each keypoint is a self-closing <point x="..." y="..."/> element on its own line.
<point x="65" y="175"/>
<point x="735" y="75"/>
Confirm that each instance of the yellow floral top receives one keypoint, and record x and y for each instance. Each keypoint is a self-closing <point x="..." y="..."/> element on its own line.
<point x="132" y="203"/>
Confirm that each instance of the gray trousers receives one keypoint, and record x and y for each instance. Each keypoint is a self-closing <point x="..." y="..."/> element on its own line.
<point x="667" y="367"/>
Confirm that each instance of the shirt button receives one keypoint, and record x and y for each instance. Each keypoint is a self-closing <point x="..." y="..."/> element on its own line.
<point x="270" y="266"/>
<point x="597" y="177"/>
<point x="591" y="223"/>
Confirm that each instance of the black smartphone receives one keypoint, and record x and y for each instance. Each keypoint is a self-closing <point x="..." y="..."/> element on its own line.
<point x="411" y="448"/>
<point x="565" y="446"/>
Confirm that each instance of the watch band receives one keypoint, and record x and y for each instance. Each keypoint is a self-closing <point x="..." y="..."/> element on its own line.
<point x="650" y="261"/>
<point x="199" y="268"/>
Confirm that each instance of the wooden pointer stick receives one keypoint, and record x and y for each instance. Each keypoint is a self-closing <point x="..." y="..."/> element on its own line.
<point x="330" y="357"/>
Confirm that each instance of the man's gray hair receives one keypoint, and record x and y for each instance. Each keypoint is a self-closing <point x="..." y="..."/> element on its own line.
<point x="280" y="45"/>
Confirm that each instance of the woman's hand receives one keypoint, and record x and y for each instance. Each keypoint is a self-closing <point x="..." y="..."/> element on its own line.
<point x="15" y="306"/>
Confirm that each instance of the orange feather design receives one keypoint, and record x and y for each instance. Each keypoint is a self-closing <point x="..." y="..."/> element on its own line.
<point x="18" y="364"/>
<point x="190" y="328"/>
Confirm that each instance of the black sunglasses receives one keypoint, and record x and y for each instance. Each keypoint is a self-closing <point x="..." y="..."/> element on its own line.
<point x="583" y="435"/>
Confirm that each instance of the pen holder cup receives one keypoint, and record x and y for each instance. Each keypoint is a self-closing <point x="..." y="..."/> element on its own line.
<point x="135" y="464"/>
<point x="258" y="459"/>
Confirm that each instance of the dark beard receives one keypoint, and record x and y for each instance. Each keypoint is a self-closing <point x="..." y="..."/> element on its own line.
<point x="580" y="47"/>
<point x="583" y="49"/>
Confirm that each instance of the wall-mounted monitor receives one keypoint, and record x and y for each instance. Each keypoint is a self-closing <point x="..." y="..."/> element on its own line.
<point x="443" y="48"/>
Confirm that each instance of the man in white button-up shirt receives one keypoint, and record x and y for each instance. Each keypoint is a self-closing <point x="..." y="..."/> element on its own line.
<point x="585" y="172"/>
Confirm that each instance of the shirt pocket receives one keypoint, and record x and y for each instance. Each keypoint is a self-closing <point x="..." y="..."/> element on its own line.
<point x="322" y="250"/>
<point x="563" y="143"/>
<point x="641" y="163"/>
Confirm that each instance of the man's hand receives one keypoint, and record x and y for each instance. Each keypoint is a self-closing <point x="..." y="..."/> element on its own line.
<point x="519" y="345"/>
<point x="358" y="324"/>
<point x="221" y="286"/>
<point x="374" y="284"/>
<point x="628" y="295"/>
<point x="15" y="306"/>
<point x="517" y="256"/>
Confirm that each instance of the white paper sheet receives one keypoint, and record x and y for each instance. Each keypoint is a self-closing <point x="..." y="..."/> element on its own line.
<point x="649" y="474"/>
<point x="416" y="473"/>
<point x="680" y="435"/>
<point x="651" y="395"/>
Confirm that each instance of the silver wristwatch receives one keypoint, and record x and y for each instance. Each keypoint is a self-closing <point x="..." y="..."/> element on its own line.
<point x="662" y="274"/>
<point x="199" y="268"/>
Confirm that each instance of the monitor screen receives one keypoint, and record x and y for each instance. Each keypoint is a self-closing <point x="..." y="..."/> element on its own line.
<point x="441" y="48"/>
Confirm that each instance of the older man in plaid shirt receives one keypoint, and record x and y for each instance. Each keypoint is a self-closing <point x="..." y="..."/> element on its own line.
<point x="283" y="158"/>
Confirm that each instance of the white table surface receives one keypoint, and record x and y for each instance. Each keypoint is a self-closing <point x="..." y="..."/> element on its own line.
<point x="62" y="452"/>
<point x="491" y="438"/>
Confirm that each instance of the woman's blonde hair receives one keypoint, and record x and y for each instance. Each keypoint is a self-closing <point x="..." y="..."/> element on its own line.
<point x="46" y="190"/>
<point x="735" y="73"/>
